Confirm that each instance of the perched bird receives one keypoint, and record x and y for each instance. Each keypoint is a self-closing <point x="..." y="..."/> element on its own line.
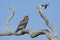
<point x="23" y="24"/>
<point x="44" y="5"/>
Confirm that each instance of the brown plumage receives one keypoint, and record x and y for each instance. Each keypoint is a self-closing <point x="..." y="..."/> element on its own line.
<point x="23" y="24"/>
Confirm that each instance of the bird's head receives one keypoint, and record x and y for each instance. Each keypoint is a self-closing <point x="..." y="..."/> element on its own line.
<point x="26" y="17"/>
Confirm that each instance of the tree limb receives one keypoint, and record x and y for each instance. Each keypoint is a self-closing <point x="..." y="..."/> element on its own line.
<point x="26" y="31"/>
<point x="47" y="22"/>
<point x="10" y="17"/>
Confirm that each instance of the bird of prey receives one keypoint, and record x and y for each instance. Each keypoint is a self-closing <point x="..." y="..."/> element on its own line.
<point x="23" y="24"/>
<point x="44" y="5"/>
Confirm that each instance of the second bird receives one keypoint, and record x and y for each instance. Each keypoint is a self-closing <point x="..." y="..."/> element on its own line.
<point x="22" y="24"/>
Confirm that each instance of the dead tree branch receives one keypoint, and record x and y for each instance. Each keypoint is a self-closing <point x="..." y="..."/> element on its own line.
<point x="26" y="31"/>
<point x="47" y="22"/>
<point x="10" y="17"/>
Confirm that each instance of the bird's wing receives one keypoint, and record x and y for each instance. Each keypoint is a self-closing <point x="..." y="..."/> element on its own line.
<point x="21" y="25"/>
<point x="23" y="22"/>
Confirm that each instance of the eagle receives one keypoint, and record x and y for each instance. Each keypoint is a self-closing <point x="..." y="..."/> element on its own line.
<point x="23" y="23"/>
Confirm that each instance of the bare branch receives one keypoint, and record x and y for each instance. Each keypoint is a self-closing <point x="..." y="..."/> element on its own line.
<point x="32" y="34"/>
<point x="47" y="22"/>
<point x="10" y="17"/>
